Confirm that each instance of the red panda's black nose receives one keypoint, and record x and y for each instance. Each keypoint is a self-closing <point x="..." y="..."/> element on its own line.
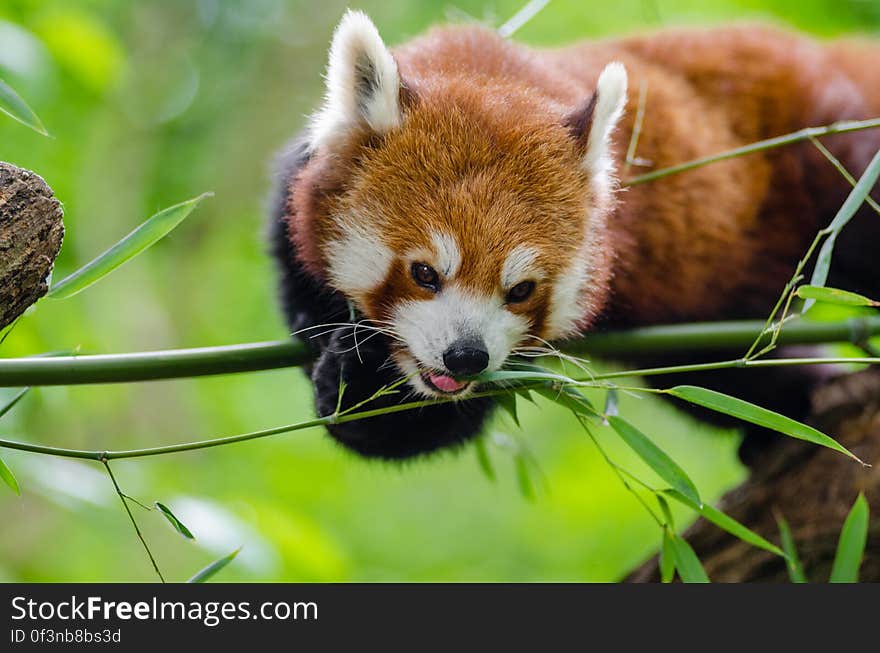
<point x="466" y="357"/>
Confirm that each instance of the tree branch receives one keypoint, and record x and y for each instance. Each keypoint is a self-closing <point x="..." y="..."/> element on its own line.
<point x="811" y="488"/>
<point x="31" y="230"/>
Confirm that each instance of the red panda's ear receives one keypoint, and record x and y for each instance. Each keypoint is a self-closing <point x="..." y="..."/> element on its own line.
<point x="363" y="84"/>
<point x="579" y="121"/>
<point x="592" y="125"/>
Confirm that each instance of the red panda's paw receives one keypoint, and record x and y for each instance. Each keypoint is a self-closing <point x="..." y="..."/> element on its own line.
<point x="367" y="367"/>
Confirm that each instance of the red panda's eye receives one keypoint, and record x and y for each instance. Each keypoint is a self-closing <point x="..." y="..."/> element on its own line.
<point x="425" y="276"/>
<point x="520" y="292"/>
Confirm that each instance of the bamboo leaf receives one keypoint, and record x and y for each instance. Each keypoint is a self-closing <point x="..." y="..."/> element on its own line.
<point x="522" y="375"/>
<point x="611" y="403"/>
<point x="213" y="568"/>
<point x="569" y="398"/>
<point x="656" y="458"/>
<point x="507" y="401"/>
<point x="178" y="525"/>
<point x="847" y="210"/>
<point x="727" y="523"/>
<point x="793" y="562"/>
<point x="834" y="296"/>
<point x="523" y="478"/>
<point x="823" y="267"/>
<point x="749" y="412"/>
<point x="690" y="569"/>
<point x="857" y="196"/>
<point x="12" y="104"/>
<point x="851" y="545"/>
<point x="667" y="557"/>
<point x="667" y="513"/>
<point x="148" y="233"/>
<point x="9" y="478"/>
<point x="483" y="458"/>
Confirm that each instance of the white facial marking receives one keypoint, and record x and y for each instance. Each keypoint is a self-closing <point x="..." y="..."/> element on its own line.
<point x="520" y="266"/>
<point x="358" y="261"/>
<point x="448" y="256"/>
<point x="430" y="326"/>
<point x="566" y="301"/>
<point x="363" y="83"/>
<point x="566" y="306"/>
<point x="599" y="160"/>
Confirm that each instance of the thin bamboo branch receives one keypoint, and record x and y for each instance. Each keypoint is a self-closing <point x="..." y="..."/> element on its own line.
<point x="523" y="16"/>
<point x="205" y="361"/>
<point x="833" y="160"/>
<point x="842" y="127"/>
<point x="133" y="521"/>
<point x="594" y="380"/>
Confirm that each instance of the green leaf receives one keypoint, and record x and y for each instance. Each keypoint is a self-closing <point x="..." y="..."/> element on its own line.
<point x="521" y="375"/>
<point x="9" y="478"/>
<point x="667" y="557"/>
<point x="727" y="523"/>
<point x="16" y="108"/>
<point x="11" y="403"/>
<point x="507" y="401"/>
<point x="657" y="459"/>
<point x="748" y="412"/>
<point x="667" y="513"/>
<point x="793" y="562"/>
<point x="686" y="561"/>
<point x="178" y="525"/>
<point x="847" y="210"/>
<point x="834" y="296"/>
<point x="523" y="478"/>
<point x="483" y="458"/>
<point x="526" y="394"/>
<point x="213" y="568"/>
<point x="147" y="234"/>
<point x="857" y="195"/>
<point x="851" y="545"/>
<point x="570" y="398"/>
<point x="527" y="366"/>
<point x="611" y="402"/>
<point x="823" y="267"/>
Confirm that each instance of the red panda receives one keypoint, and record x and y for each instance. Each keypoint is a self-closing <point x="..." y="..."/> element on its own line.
<point x="460" y="196"/>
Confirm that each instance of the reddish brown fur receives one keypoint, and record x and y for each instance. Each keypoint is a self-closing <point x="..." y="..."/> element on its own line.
<point x="483" y="136"/>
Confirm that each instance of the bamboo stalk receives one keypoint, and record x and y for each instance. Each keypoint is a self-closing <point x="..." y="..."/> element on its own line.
<point x="206" y="361"/>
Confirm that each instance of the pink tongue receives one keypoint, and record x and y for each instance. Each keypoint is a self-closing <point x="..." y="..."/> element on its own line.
<point x="445" y="383"/>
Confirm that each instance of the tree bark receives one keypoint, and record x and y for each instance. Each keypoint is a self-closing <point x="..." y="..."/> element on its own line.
<point x="31" y="230"/>
<point x="812" y="487"/>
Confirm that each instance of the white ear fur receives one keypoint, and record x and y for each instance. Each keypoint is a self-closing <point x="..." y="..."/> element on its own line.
<point x="611" y="92"/>
<point x="362" y="83"/>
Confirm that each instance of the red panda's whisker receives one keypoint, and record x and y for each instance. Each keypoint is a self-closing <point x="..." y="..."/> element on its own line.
<point x="539" y="352"/>
<point x="342" y="325"/>
<point x="357" y="344"/>
<point x="384" y="332"/>
<point x="550" y="350"/>
<point x="335" y="325"/>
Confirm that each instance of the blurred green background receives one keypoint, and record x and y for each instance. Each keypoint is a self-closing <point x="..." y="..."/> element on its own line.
<point x="150" y="102"/>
